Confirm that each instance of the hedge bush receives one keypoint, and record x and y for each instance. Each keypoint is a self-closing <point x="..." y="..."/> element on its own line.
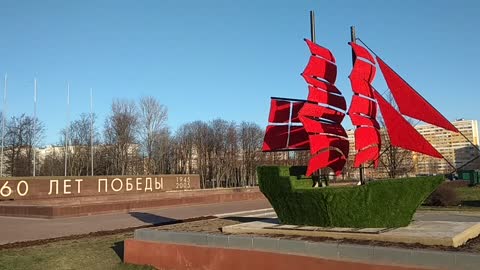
<point x="444" y="195"/>
<point x="379" y="204"/>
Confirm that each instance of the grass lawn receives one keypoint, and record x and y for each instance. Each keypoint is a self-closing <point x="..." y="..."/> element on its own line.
<point x="468" y="197"/>
<point x="105" y="252"/>
<point x="469" y="193"/>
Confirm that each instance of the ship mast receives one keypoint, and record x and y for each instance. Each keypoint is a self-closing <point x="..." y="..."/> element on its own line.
<point x="312" y="25"/>
<point x="318" y="173"/>
<point x="353" y="39"/>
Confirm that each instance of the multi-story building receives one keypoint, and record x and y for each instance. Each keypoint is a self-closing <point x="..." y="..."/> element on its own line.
<point x="455" y="147"/>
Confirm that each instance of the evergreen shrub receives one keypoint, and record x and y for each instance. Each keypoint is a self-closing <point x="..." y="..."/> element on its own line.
<point x="378" y="204"/>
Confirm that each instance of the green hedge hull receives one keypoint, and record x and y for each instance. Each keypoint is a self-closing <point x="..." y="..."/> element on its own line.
<point x="380" y="204"/>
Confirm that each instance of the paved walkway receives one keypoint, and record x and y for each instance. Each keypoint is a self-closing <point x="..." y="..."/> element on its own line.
<point x="15" y="229"/>
<point x="460" y="216"/>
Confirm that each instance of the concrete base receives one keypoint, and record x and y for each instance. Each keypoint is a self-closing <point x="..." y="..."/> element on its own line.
<point x="82" y="206"/>
<point x="164" y="255"/>
<point x="191" y="250"/>
<point x="439" y="233"/>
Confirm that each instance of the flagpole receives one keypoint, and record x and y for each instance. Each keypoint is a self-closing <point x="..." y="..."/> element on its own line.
<point x="91" y="128"/>
<point x="68" y="126"/>
<point x="3" y="122"/>
<point x="34" y="122"/>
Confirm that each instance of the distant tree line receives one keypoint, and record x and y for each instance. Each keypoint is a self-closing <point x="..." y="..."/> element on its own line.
<point x="135" y="140"/>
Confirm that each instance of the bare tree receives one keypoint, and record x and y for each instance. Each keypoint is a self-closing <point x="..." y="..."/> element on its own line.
<point x="120" y="131"/>
<point x="221" y="152"/>
<point x="251" y="138"/>
<point x="80" y="145"/>
<point x="53" y="161"/>
<point x="23" y="134"/>
<point x="395" y="161"/>
<point x="224" y="150"/>
<point x="162" y="151"/>
<point x="153" y="118"/>
<point x="183" y="149"/>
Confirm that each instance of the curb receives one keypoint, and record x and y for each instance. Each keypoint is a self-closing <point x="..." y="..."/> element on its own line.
<point x="333" y="251"/>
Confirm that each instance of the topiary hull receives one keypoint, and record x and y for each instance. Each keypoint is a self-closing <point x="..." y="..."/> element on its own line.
<point x="379" y="204"/>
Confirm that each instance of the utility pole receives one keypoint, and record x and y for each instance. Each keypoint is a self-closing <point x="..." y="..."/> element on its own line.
<point x="91" y="128"/>
<point x="34" y="123"/>
<point x="67" y="127"/>
<point x="3" y="122"/>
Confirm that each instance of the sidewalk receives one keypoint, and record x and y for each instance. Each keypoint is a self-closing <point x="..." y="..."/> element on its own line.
<point x="18" y="229"/>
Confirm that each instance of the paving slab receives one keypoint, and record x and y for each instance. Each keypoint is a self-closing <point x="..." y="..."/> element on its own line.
<point x="443" y="233"/>
<point x="19" y="229"/>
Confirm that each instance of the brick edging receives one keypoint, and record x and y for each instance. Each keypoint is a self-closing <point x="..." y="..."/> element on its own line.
<point x="334" y="251"/>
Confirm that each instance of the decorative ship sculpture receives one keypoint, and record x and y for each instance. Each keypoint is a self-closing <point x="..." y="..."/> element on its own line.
<point x="315" y="123"/>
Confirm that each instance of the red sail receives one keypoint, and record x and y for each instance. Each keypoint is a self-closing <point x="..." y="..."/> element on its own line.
<point x="320" y="51"/>
<point x="370" y="153"/>
<point x="319" y="96"/>
<point x="283" y="138"/>
<point x="361" y="52"/>
<point x="280" y="110"/>
<point x="321" y="84"/>
<point x="365" y="137"/>
<point x="320" y="142"/>
<point x="361" y="105"/>
<point x="314" y="110"/>
<point x="361" y="86"/>
<point x="329" y="158"/>
<point x="317" y="127"/>
<point x="321" y="116"/>
<point x="410" y="102"/>
<point x="364" y="71"/>
<point x="401" y="133"/>
<point x="363" y="108"/>
<point x="283" y="134"/>
<point x="360" y="120"/>
<point x="321" y="68"/>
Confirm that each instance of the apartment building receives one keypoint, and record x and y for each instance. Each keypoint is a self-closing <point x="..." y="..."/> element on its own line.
<point x="455" y="147"/>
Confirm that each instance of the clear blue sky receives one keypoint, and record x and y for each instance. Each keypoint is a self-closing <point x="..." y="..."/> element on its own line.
<point x="225" y="58"/>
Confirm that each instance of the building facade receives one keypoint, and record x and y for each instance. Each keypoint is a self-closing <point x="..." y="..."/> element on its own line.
<point x="396" y="162"/>
<point x="456" y="148"/>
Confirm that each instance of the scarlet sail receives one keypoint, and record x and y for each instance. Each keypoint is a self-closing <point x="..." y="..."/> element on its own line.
<point x="322" y="114"/>
<point x="315" y="123"/>
<point x="363" y="108"/>
<point x="285" y="131"/>
<point x="401" y="133"/>
<point x="411" y="103"/>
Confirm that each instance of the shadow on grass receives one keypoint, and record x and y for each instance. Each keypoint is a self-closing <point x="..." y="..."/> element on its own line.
<point x="152" y="219"/>
<point x="471" y="203"/>
<point x="118" y="248"/>
<point x="251" y="219"/>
